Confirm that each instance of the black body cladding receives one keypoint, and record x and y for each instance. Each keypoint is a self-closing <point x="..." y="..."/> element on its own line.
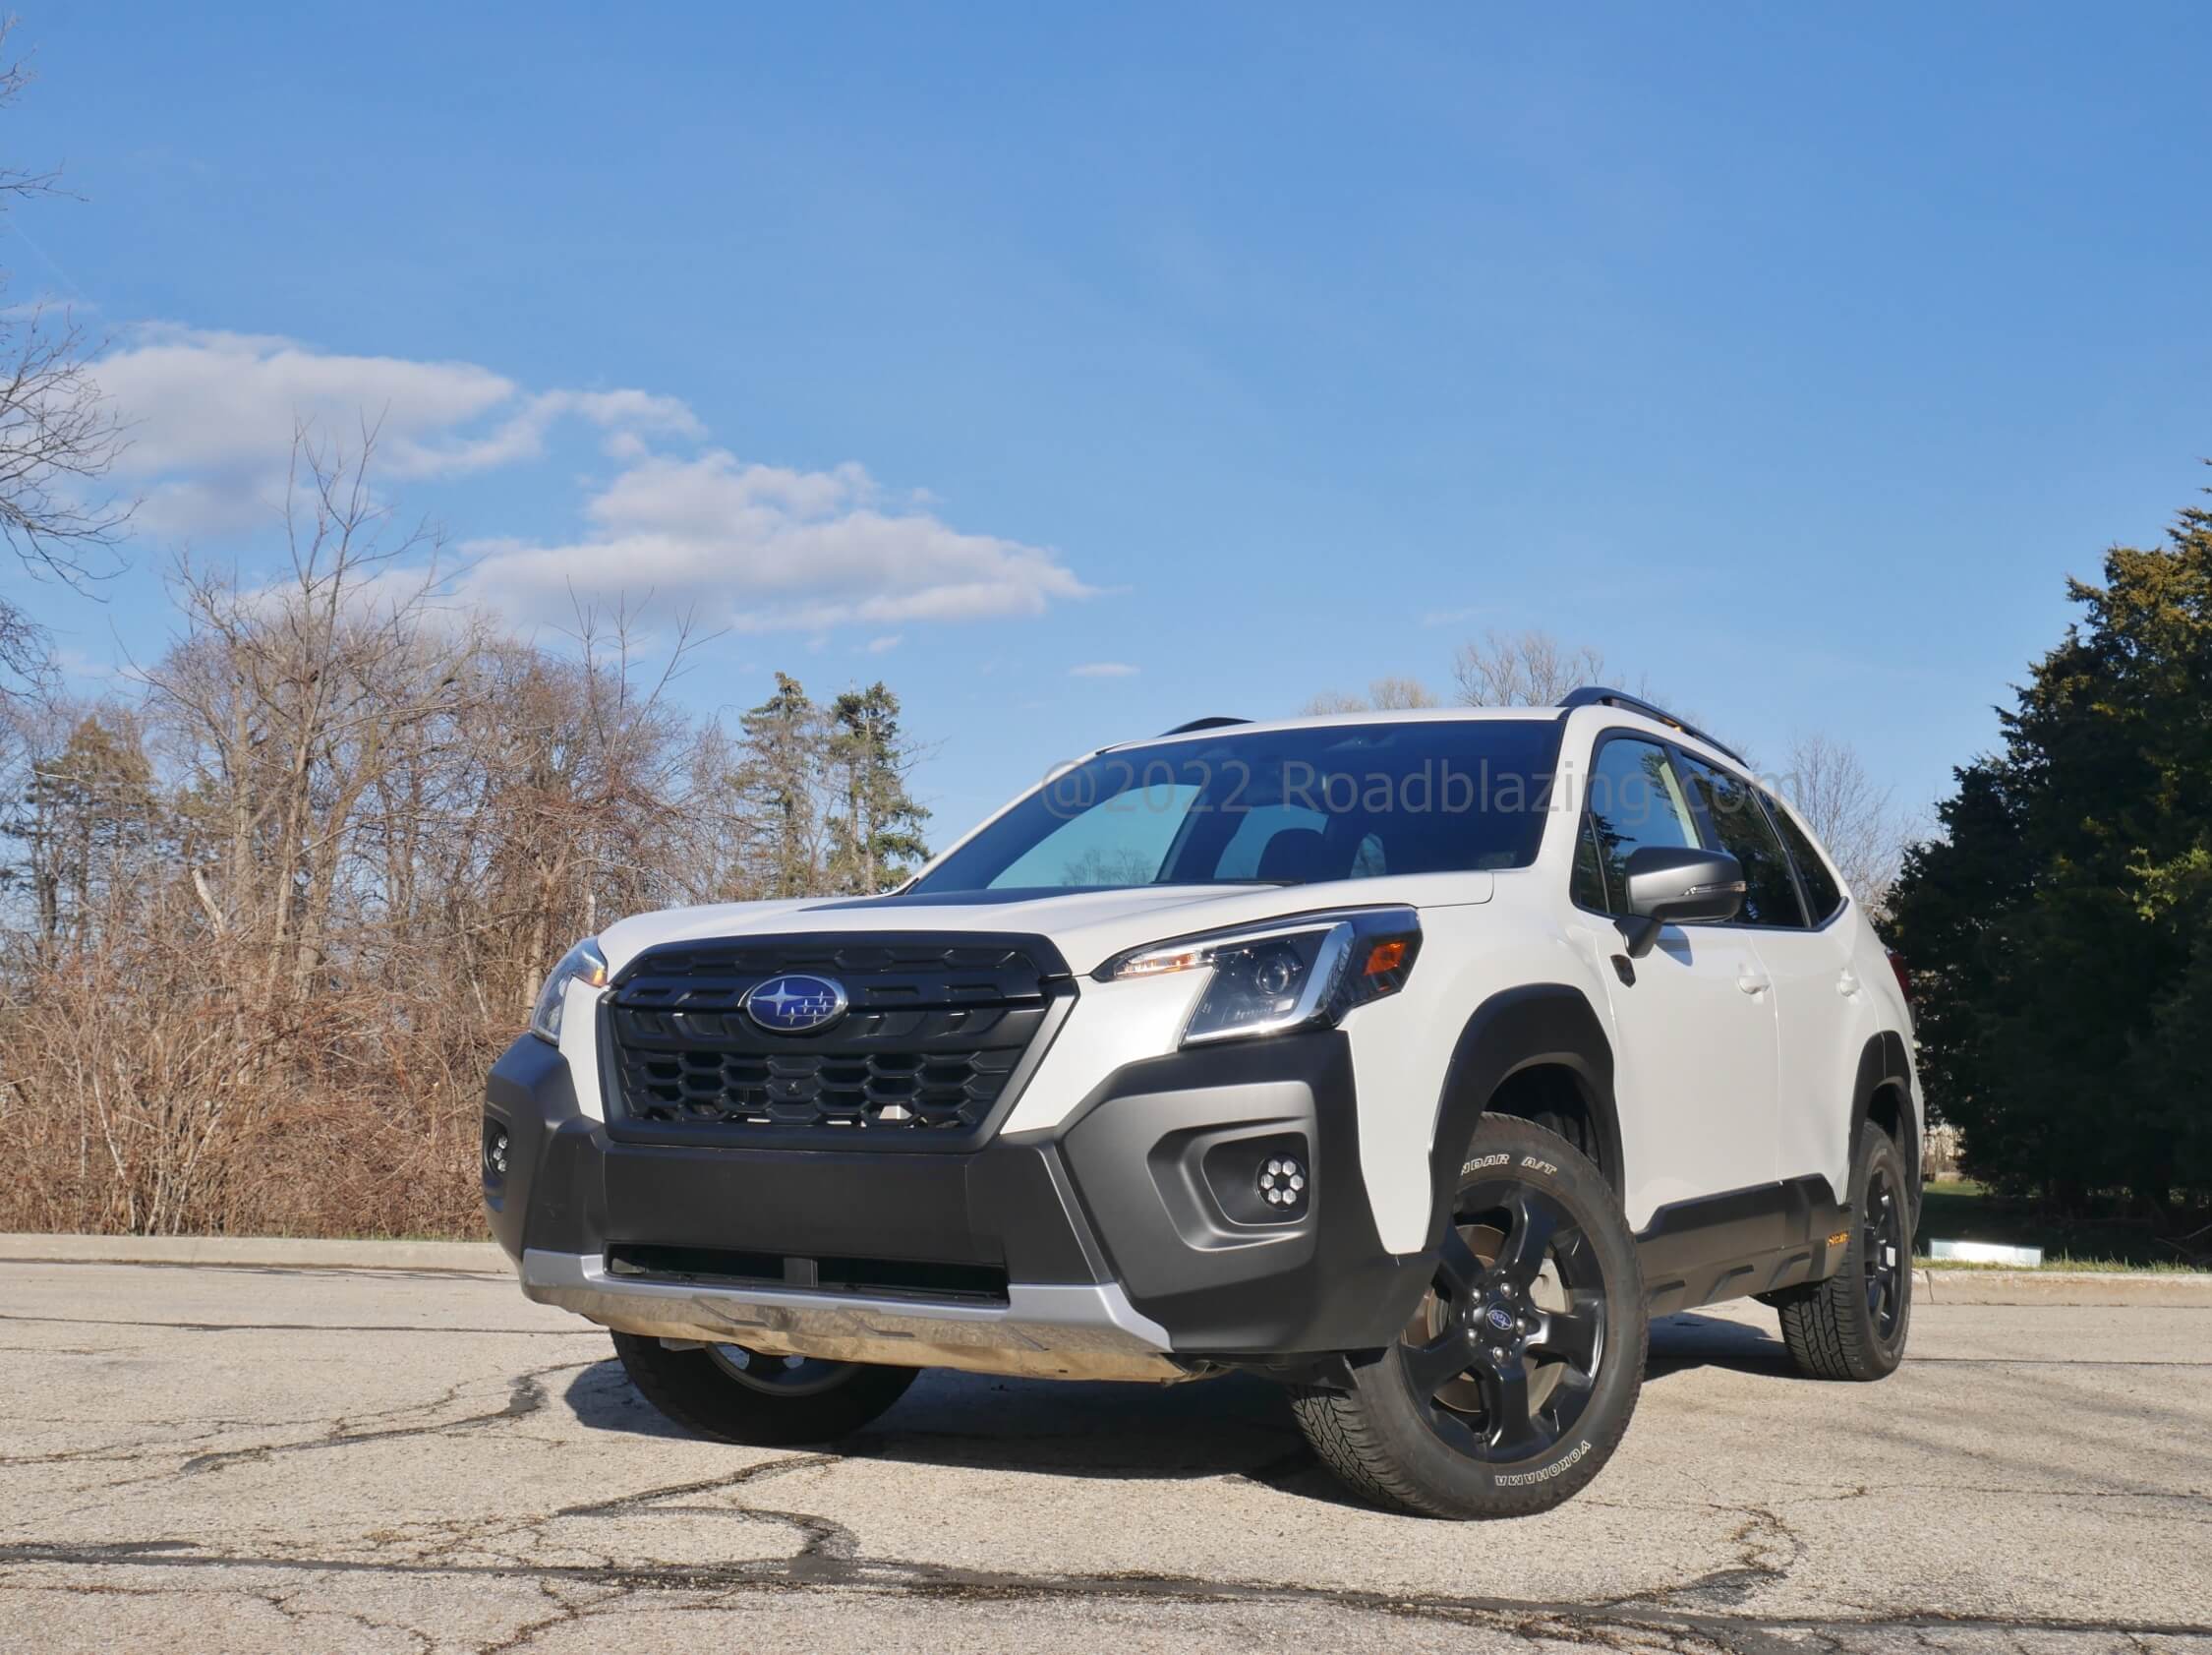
<point x="1143" y="1145"/>
<point x="1517" y="1028"/>
<point x="1884" y="1064"/>
<point x="1755" y="1240"/>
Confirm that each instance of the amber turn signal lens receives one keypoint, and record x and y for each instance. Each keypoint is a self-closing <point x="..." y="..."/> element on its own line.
<point x="1386" y="956"/>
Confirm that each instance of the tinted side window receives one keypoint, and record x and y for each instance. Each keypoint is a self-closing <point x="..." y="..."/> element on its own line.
<point x="1740" y="825"/>
<point x="1822" y="891"/>
<point x="1634" y="802"/>
<point x="1588" y="887"/>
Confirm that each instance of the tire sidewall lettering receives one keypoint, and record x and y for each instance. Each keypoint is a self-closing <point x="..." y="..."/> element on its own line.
<point x="1543" y="1473"/>
<point x="1527" y="1163"/>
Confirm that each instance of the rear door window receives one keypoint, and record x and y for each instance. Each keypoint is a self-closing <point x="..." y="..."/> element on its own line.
<point x="1822" y="893"/>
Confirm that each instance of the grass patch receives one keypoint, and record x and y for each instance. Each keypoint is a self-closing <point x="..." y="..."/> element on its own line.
<point x="1961" y="1209"/>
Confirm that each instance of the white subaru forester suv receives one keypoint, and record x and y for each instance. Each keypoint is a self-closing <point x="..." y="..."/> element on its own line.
<point x="1412" y="1060"/>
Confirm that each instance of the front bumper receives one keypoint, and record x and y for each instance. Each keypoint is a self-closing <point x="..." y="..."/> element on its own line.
<point x="1106" y="1248"/>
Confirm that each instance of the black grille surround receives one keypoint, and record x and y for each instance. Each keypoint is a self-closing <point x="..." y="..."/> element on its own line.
<point x="942" y="1032"/>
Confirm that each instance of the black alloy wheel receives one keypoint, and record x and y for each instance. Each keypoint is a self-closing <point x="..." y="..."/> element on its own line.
<point x="1882" y="1254"/>
<point x="1503" y="1353"/>
<point x="1513" y="1382"/>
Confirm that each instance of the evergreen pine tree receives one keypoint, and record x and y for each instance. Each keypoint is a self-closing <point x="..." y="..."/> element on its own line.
<point x="2060" y="928"/>
<point x="875" y="830"/>
<point x="779" y="783"/>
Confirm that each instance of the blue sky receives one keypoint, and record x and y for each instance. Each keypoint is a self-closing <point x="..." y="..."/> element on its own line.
<point x="1793" y="357"/>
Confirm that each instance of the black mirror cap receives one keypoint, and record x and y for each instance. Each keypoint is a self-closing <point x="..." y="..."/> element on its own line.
<point x="1673" y="885"/>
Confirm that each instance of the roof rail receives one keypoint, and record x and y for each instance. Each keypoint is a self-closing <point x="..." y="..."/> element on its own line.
<point x="1597" y="695"/>
<point x="1203" y="724"/>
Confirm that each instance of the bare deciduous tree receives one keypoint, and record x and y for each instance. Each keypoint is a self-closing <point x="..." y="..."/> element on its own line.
<point x="58" y="437"/>
<point x="1854" y="818"/>
<point x="1384" y="694"/>
<point x="1531" y="669"/>
<point x="267" y="929"/>
<point x="289" y="697"/>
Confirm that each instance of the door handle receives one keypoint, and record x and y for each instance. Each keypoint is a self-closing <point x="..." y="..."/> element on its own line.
<point x="1847" y="983"/>
<point x="1751" y="983"/>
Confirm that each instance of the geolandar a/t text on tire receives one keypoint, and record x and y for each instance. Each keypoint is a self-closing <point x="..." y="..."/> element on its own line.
<point x="1411" y="1060"/>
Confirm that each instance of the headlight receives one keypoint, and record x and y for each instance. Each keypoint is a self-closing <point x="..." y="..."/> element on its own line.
<point x="583" y="964"/>
<point x="1295" y="973"/>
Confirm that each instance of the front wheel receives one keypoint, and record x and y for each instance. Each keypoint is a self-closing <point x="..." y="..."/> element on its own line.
<point x="739" y="1396"/>
<point x="1512" y="1384"/>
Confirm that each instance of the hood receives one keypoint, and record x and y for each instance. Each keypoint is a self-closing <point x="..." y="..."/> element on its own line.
<point x="1088" y="927"/>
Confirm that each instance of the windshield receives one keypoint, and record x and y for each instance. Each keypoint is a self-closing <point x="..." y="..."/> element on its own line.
<point x="1278" y="807"/>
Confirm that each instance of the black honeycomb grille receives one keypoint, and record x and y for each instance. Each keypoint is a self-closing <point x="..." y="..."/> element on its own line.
<point x="942" y="1087"/>
<point x="934" y="1037"/>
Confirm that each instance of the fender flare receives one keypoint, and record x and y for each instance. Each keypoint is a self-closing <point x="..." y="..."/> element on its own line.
<point x="1884" y="1062"/>
<point x="1514" y="1030"/>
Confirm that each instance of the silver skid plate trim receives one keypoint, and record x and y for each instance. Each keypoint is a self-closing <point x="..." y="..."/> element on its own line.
<point x="1049" y="1332"/>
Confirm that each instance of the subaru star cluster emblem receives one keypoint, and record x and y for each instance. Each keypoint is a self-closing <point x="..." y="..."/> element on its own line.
<point x="793" y="1005"/>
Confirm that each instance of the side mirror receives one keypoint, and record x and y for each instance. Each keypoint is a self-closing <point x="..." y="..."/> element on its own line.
<point x="1671" y="885"/>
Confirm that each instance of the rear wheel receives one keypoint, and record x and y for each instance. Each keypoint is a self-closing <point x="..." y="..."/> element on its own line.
<point x="1514" y="1380"/>
<point x="1853" y="1325"/>
<point x="740" y="1396"/>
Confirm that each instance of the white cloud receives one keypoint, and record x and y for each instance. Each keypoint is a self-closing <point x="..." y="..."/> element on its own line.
<point x="1103" y="670"/>
<point x="759" y="548"/>
<point x="211" y="418"/>
<point x="749" y="546"/>
<point x="884" y="645"/>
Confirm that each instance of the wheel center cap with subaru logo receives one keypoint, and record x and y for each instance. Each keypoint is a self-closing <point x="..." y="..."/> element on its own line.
<point x="793" y="1005"/>
<point x="1501" y="1319"/>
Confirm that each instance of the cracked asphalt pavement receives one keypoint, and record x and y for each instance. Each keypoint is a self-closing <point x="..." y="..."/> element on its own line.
<point x="238" y="1461"/>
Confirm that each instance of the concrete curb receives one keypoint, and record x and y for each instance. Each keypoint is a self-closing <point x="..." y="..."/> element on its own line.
<point x="473" y="1258"/>
<point x="2168" y="1289"/>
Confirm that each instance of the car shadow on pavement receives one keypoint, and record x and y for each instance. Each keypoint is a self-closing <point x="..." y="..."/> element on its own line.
<point x="1689" y="1341"/>
<point x="1234" y="1426"/>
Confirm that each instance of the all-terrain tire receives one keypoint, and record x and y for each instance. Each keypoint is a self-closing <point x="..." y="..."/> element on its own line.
<point x="1855" y="1325"/>
<point x="1403" y="1450"/>
<point x="703" y="1396"/>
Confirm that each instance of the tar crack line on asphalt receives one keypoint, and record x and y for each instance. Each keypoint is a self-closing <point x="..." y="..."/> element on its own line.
<point x="526" y="1395"/>
<point x="823" y="1572"/>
